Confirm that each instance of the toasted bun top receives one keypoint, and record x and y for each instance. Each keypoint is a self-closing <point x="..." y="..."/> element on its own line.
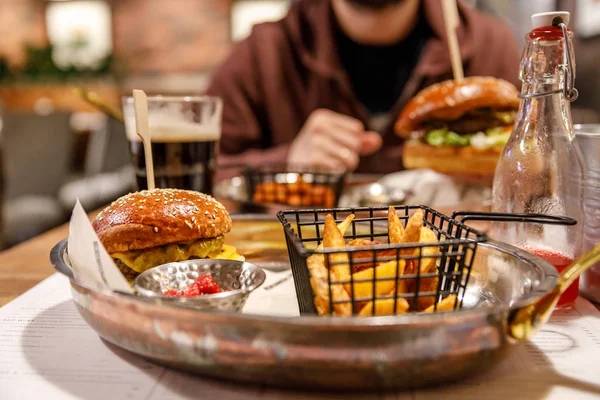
<point x="152" y="218"/>
<point x="450" y="100"/>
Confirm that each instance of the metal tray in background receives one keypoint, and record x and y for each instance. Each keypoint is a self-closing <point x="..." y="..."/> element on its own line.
<point x="398" y="352"/>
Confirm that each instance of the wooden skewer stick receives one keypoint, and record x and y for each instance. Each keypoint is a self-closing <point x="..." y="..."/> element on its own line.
<point x="140" y="102"/>
<point x="452" y="22"/>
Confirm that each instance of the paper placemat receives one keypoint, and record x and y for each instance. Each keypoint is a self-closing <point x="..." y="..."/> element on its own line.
<point x="48" y="352"/>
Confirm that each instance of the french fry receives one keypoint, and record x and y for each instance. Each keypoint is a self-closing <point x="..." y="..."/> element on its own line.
<point x="333" y="238"/>
<point x="384" y="307"/>
<point x="319" y="282"/>
<point x="446" y="304"/>
<point x="395" y="229"/>
<point x="390" y="269"/>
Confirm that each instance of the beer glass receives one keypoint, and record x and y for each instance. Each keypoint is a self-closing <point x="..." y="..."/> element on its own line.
<point x="185" y="134"/>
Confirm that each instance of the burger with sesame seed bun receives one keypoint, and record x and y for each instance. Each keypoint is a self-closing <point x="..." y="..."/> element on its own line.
<point x="152" y="227"/>
<point x="459" y="127"/>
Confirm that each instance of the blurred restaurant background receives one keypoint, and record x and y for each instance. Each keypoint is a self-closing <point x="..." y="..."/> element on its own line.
<point x="57" y="148"/>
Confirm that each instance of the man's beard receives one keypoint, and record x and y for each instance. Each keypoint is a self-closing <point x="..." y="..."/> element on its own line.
<point x="374" y="4"/>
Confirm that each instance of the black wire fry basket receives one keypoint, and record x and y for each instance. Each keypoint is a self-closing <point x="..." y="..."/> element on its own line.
<point x="296" y="186"/>
<point x="381" y="277"/>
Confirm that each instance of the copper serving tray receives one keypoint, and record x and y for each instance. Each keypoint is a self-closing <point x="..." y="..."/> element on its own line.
<point x="400" y="352"/>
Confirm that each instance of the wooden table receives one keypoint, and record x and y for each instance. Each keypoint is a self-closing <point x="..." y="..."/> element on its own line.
<point x="27" y="264"/>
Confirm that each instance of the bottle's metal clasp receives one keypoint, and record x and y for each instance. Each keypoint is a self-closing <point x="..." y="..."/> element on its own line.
<point x="569" y="88"/>
<point x="566" y="69"/>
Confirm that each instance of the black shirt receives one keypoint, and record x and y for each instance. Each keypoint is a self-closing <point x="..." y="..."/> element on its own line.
<point x="379" y="73"/>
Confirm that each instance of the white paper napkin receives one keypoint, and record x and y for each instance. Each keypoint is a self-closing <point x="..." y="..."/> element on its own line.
<point x="91" y="264"/>
<point x="276" y="297"/>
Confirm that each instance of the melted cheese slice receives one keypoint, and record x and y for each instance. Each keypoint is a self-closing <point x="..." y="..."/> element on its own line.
<point x="141" y="260"/>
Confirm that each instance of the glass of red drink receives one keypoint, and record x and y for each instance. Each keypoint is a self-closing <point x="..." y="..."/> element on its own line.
<point x="560" y="262"/>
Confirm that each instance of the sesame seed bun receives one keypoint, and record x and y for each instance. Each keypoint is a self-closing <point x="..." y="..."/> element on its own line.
<point x="158" y="217"/>
<point x="450" y="100"/>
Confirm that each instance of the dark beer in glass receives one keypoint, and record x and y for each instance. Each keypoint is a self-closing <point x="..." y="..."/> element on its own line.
<point x="185" y="134"/>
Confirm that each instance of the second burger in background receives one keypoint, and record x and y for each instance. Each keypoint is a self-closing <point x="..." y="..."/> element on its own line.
<point x="153" y="227"/>
<point x="459" y="127"/>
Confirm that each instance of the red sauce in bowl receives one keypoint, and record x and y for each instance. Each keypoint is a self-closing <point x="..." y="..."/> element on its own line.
<point x="204" y="285"/>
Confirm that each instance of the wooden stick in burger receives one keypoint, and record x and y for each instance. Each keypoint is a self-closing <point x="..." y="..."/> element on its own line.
<point x="452" y="23"/>
<point x="140" y="103"/>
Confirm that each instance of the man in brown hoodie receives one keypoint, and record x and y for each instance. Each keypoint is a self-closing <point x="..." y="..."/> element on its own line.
<point x="325" y="84"/>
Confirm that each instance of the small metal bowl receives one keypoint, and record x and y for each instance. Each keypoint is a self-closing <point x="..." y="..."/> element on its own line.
<point x="237" y="279"/>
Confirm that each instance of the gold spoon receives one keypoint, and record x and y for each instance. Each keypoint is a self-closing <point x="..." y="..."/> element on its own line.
<point x="94" y="99"/>
<point x="526" y="321"/>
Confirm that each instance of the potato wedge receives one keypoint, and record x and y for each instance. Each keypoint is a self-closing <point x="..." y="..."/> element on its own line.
<point x="426" y="285"/>
<point x="427" y="266"/>
<point x="395" y="229"/>
<point x="343" y="227"/>
<point x="345" y="224"/>
<point x="361" y="260"/>
<point x="332" y="239"/>
<point x="321" y="303"/>
<point x="385" y="270"/>
<point x="319" y="282"/>
<point x="320" y="285"/>
<point x="384" y="307"/>
<point x="412" y="232"/>
<point x="446" y="304"/>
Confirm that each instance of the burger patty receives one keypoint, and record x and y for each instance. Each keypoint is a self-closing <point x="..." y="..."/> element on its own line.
<point x="474" y="121"/>
<point x="127" y="272"/>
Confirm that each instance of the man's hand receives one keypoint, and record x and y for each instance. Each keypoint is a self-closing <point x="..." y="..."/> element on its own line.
<point x="332" y="140"/>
